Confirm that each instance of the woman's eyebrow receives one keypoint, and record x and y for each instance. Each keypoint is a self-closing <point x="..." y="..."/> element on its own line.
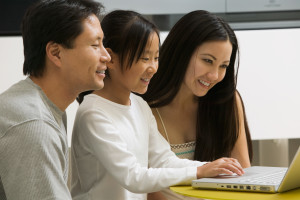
<point x="206" y="54"/>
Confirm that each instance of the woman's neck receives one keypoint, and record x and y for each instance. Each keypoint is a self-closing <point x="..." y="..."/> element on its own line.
<point x="114" y="93"/>
<point x="180" y="117"/>
<point x="184" y="100"/>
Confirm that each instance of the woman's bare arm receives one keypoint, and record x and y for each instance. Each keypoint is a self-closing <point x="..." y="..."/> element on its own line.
<point x="240" y="149"/>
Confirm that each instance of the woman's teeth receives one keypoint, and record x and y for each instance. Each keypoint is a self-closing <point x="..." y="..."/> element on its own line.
<point x="204" y="83"/>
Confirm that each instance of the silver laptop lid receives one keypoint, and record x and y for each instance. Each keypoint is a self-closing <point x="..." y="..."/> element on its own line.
<point x="291" y="179"/>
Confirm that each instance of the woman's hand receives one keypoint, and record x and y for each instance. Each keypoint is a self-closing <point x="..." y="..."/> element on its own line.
<point x="220" y="166"/>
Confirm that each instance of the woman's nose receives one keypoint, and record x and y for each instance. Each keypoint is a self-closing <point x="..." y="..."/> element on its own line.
<point x="213" y="75"/>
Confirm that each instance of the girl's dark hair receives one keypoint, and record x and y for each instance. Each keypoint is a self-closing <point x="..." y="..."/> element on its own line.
<point x="126" y="33"/>
<point x="59" y="21"/>
<point x="217" y="116"/>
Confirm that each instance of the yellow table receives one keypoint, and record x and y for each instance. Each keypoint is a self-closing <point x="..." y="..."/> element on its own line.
<point x="227" y="195"/>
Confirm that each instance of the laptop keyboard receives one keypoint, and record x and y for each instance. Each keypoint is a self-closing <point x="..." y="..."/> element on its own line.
<point x="274" y="178"/>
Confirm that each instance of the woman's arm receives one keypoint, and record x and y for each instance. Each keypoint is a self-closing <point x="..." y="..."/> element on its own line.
<point x="240" y="149"/>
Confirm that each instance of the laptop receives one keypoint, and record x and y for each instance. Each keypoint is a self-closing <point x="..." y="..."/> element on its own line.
<point x="256" y="179"/>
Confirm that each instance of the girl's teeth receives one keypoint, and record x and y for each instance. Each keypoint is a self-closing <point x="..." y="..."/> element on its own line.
<point x="146" y="79"/>
<point x="100" y="71"/>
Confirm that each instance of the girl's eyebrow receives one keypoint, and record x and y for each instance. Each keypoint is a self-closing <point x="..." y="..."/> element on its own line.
<point x="147" y="51"/>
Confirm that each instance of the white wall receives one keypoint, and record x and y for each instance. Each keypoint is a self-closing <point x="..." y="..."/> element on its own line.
<point x="268" y="80"/>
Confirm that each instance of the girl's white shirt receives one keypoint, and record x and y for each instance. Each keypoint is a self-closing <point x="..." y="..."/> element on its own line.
<point x="118" y="153"/>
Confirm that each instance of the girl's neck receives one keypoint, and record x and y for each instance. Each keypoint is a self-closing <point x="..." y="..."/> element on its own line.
<point x="114" y="93"/>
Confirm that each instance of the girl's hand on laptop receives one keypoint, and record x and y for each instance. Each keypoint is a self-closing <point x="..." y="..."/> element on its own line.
<point x="220" y="166"/>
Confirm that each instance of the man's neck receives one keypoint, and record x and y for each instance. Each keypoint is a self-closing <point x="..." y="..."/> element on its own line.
<point x="56" y="91"/>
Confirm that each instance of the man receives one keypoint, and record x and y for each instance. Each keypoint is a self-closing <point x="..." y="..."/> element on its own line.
<point x="64" y="56"/>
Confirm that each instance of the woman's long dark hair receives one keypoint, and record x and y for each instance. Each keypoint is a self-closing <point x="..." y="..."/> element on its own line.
<point x="217" y="116"/>
<point x="126" y="33"/>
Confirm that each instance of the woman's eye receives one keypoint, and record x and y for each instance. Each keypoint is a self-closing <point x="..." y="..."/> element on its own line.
<point x="224" y="66"/>
<point x="95" y="45"/>
<point x="208" y="61"/>
<point x="156" y="58"/>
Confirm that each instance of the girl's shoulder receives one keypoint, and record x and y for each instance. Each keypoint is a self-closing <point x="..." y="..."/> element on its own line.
<point x="137" y="99"/>
<point x="140" y="102"/>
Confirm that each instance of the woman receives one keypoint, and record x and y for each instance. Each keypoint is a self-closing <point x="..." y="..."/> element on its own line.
<point x="193" y="96"/>
<point x="117" y="151"/>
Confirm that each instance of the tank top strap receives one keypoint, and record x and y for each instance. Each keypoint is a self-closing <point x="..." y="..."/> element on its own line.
<point x="164" y="127"/>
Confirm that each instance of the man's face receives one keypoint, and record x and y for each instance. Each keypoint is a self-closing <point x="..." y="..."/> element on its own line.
<point x="84" y="65"/>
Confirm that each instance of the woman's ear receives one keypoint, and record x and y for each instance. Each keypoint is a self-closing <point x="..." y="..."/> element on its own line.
<point x="53" y="53"/>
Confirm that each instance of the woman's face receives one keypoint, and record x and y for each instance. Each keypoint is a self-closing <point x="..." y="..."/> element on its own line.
<point x="137" y="78"/>
<point x="207" y="66"/>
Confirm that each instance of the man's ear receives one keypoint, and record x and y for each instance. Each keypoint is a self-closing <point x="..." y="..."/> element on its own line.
<point x="53" y="53"/>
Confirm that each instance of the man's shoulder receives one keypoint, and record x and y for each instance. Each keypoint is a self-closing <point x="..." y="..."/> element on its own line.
<point x="21" y="103"/>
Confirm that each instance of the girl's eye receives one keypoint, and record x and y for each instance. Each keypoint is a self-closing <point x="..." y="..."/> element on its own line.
<point x="156" y="58"/>
<point x="145" y="59"/>
<point x="95" y="45"/>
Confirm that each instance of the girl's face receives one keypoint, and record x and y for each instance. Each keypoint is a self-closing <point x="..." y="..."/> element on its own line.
<point x="137" y="78"/>
<point x="207" y="66"/>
